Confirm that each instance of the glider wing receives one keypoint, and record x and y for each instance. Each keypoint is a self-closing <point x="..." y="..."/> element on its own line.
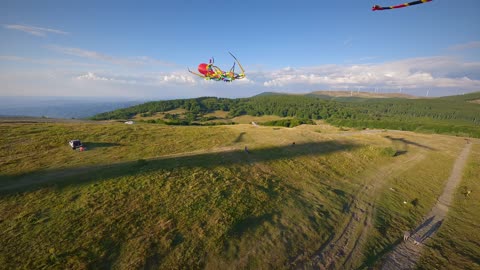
<point x="377" y="7"/>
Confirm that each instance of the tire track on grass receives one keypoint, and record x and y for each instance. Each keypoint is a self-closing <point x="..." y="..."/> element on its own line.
<point x="407" y="254"/>
<point x="341" y="251"/>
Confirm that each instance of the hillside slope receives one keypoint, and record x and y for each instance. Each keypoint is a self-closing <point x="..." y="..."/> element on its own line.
<point x="154" y="196"/>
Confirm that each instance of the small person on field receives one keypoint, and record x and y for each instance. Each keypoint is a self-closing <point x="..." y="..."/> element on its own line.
<point x="246" y="149"/>
<point x="416" y="240"/>
<point x="406" y="235"/>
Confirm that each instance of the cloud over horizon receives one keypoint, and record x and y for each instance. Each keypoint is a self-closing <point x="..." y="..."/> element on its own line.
<point x="413" y="73"/>
<point x="441" y="75"/>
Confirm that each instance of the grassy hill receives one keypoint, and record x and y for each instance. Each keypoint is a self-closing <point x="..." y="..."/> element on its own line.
<point x="159" y="196"/>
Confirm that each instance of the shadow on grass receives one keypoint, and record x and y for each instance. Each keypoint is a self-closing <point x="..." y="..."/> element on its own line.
<point x="432" y="230"/>
<point x="407" y="142"/>
<point x="423" y="225"/>
<point x="240" y="138"/>
<point x="376" y="259"/>
<point x="93" y="145"/>
<point x="400" y="152"/>
<point x="250" y="224"/>
<point x="84" y="175"/>
<point x="339" y="192"/>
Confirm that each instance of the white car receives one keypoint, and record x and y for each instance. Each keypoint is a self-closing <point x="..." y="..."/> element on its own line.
<point x="75" y="144"/>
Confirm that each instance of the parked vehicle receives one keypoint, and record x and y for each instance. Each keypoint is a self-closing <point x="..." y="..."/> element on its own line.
<point x="75" y="144"/>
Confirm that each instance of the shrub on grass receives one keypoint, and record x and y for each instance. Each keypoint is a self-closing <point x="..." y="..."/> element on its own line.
<point x="389" y="151"/>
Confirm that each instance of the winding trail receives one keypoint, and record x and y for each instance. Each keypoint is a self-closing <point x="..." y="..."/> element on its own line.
<point x="407" y="254"/>
<point x="343" y="249"/>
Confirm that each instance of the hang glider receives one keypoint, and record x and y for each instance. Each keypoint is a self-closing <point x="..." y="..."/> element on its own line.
<point x="211" y="72"/>
<point x="377" y="7"/>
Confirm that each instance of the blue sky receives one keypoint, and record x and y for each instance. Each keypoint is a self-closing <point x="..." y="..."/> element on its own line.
<point x="141" y="49"/>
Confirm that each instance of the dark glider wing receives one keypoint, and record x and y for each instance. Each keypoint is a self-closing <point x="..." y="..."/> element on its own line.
<point x="377" y="7"/>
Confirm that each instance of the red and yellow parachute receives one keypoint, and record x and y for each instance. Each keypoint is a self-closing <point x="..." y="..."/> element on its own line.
<point x="211" y="72"/>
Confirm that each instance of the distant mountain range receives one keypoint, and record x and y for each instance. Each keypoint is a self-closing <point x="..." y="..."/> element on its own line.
<point x="61" y="107"/>
<point x="85" y="107"/>
<point x="328" y="94"/>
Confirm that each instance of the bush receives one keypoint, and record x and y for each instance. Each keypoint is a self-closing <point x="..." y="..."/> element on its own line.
<point x="415" y="202"/>
<point x="389" y="151"/>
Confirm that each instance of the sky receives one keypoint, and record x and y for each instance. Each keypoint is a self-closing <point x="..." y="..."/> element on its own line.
<point x="142" y="49"/>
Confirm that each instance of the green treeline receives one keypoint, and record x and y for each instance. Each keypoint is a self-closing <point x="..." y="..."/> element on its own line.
<point x="195" y="105"/>
<point x="281" y="105"/>
<point x="448" y="115"/>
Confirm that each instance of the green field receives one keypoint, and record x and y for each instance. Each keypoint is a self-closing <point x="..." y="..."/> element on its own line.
<point x="148" y="196"/>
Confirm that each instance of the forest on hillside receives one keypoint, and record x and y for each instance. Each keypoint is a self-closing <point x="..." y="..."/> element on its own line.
<point x="450" y="115"/>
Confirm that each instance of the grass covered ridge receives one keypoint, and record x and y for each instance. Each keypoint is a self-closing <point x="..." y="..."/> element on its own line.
<point x="151" y="196"/>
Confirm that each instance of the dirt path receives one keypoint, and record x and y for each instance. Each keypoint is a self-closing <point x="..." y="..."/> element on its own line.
<point x="407" y="254"/>
<point x="343" y="249"/>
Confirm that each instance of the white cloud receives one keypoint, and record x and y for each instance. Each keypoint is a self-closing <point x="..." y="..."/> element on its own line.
<point x="244" y="81"/>
<point x="92" y="76"/>
<point x="48" y="61"/>
<point x="442" y="75"/>
<point x="413" y="73"/>
<point x="155" y="79"/>
<point x="465" y="46"/>
<point x="12" y="58"/>
<point x="125" y="61"/>
<point x="65" y="83"/>
<point x="33" y="30"/>
<point x="177" y="78"/>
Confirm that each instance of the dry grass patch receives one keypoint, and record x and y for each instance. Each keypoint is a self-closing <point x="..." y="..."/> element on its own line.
<point x="160" y="115"/>
<point x="218" y="114"/>
<point x="247" y="119"/>
<point x="477" y="101"/>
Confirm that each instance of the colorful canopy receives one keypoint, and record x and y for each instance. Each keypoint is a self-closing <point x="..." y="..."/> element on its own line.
<point x="212" y="72"/>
